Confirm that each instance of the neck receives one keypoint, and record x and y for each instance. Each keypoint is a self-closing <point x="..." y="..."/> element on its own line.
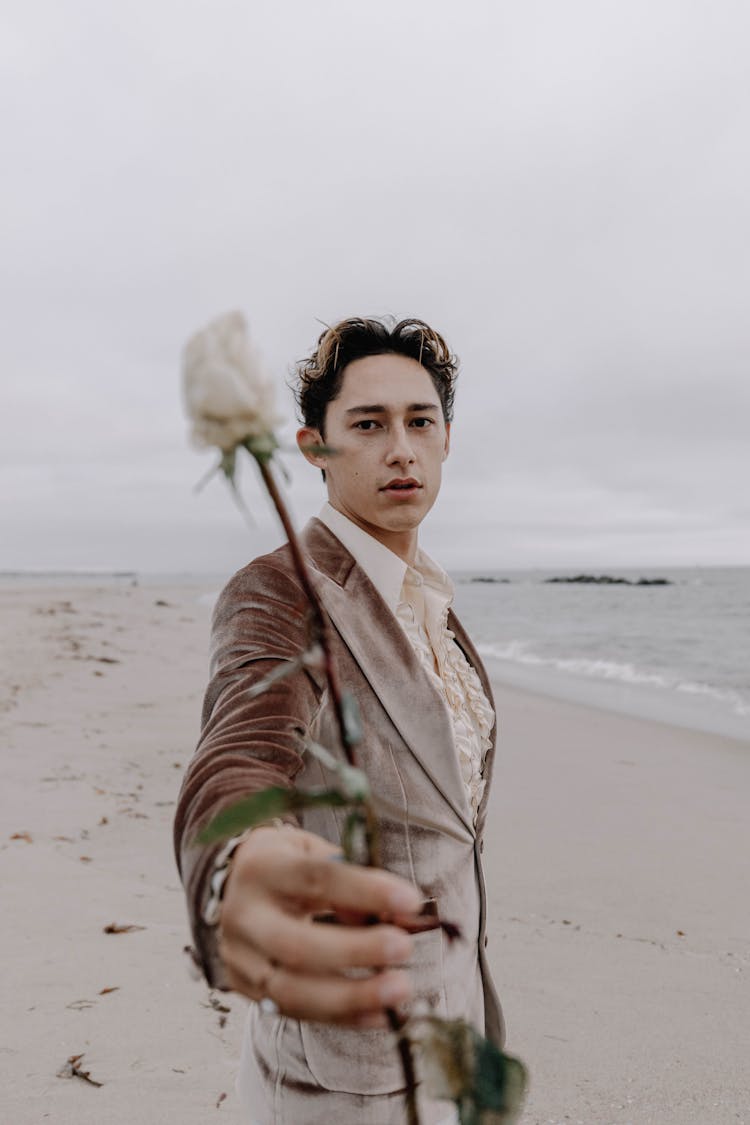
<point x="402" y="543"/>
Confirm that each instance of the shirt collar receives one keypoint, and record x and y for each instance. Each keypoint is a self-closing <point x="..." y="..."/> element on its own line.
<point x="386" y="570"/>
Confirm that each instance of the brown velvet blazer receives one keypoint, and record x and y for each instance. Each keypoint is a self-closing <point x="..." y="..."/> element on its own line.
<point x="407" y="753"/>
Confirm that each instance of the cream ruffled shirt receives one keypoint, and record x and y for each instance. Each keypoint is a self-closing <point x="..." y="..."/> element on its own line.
<point x="420" y="596"/>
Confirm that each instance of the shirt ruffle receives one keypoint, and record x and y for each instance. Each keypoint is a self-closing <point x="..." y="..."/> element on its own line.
<point x="457" y="681"/>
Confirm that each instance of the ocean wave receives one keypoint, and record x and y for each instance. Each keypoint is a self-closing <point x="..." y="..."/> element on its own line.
<point x="739" y="705"/>
<point x="518" y="652"/>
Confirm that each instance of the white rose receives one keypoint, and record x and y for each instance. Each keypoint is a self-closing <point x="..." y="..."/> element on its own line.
<point x="228" y="396"/>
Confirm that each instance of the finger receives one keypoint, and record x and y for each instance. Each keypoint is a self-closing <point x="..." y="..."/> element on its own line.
<point x="303" y="867"/>
<point x="271" y="841"/>
<point x="247" y="971"/>
<point x="333" y="997"/>
<point x="337" y="999"/>
<point x="368" y="1022"/>
<point x="257" y="985"/>
<point x="327" y="997"/>
<point x="318" y="883"/>
<point x="305" y="946"/>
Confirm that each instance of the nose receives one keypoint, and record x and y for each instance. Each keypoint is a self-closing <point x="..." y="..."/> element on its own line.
<point x="400" y="451"/>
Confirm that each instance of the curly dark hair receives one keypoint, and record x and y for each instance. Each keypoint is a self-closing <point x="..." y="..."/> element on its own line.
<point x="319" y="377"/>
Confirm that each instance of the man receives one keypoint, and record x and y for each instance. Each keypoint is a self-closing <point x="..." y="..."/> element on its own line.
<point x="317" y="1048"/>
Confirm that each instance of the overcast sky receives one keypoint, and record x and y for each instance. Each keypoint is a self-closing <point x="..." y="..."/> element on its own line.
<point x="561" y="188"/>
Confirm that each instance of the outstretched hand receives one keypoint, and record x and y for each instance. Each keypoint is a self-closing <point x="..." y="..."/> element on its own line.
<point x="272" y="947"/>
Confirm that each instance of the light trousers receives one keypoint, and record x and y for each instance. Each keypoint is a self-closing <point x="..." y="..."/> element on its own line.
<point x="289" y="1095"/>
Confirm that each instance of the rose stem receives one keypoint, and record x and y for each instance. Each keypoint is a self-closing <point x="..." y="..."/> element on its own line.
<point x="320" y="624"/>
<point x="321" y="631"/>
<point x="407" y="1065"/>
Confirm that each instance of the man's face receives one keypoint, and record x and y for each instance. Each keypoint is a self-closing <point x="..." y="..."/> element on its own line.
<point x="391" y="440"/>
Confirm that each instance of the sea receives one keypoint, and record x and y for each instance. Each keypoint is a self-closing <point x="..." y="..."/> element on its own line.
<point x="677" y="652"/>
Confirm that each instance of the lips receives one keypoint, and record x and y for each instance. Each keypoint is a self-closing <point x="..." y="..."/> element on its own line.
<point x="402" y="486"/>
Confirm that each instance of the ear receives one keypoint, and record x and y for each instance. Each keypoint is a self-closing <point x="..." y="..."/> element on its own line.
<point x="307" y="439"/>
<point x="447" y="447"/>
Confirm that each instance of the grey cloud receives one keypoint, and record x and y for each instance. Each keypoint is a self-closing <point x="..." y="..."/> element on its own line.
<point x="562" y="189"/>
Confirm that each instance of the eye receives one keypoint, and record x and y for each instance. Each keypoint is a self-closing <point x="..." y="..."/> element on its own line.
<point x="365" y="425"/>
<point x="422" y="423"/>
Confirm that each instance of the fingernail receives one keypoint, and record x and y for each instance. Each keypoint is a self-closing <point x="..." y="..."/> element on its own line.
<point x="404" y="899"/>
<point x="395" y="989"/>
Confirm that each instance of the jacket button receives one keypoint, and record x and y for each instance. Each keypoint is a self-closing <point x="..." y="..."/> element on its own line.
<point x="486" y="939"/>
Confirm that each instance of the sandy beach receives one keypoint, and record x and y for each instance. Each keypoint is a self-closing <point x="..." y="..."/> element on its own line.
<point x="616" y="856"/>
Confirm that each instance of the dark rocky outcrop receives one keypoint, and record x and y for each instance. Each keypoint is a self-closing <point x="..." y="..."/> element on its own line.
<point x="610" y="580"/>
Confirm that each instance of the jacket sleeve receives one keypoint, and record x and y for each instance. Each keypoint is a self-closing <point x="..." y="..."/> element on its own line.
<point x="245" y="744"/>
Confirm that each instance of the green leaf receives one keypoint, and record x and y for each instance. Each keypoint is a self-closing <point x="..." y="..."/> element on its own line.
<point x="460" y="1065"/>
<point x="228" y="464"/>
<point x="264" y="806"/>
<point x="208" y="476"/>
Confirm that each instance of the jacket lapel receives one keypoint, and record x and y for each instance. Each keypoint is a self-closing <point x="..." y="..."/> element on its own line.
<point x="387" y="660"/>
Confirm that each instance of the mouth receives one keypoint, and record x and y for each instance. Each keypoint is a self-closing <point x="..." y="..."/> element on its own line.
<point x="403" y="487"/>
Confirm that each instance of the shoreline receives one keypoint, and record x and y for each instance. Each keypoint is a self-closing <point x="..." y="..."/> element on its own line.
<point x="691" y="706"/>
<point x="637" y="701"/>
<point x="615" y="859"/>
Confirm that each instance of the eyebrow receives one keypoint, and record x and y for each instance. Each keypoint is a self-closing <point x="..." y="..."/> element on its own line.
<point x="378" y="408"/>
